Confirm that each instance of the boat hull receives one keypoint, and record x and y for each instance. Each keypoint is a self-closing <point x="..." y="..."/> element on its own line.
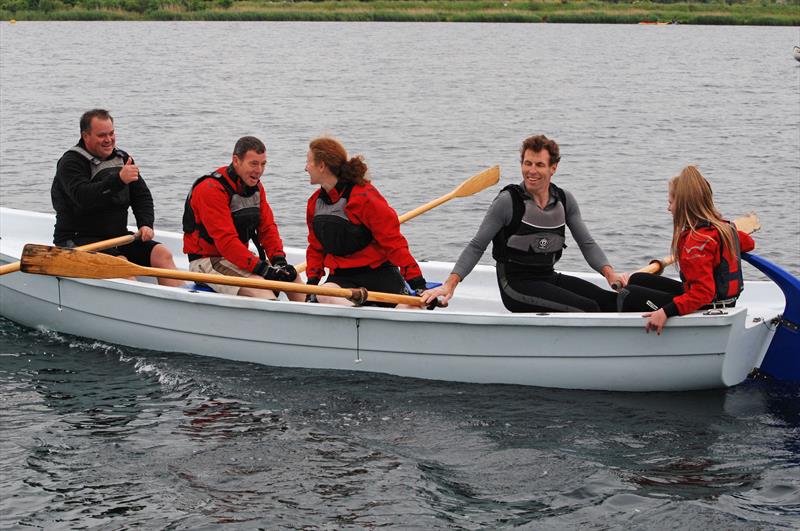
<point x="473" y="341"/>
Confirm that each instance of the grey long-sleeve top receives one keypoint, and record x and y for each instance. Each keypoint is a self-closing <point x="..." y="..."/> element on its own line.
<point x="499" y="215"/>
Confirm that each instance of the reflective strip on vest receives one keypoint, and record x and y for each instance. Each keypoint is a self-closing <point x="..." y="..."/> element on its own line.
<point x="245" y="212"/>
<point x="335" y="232"/>
<point x="96" y="165"/>
<point x="540" y="237"/>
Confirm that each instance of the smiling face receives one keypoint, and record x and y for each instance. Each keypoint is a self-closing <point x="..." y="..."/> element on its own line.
<point x="315" y="170"/>
<point x="100" y="139"/>
<point x="537" y="170"/>
<point x="250" y="167"/>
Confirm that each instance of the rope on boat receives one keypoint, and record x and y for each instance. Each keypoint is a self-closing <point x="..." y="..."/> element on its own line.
<point x="770" y="324"/>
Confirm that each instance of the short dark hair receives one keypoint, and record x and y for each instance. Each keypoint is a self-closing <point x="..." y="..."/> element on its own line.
<point x="86" y="119"/>
<point x="248" y="143"/>
<point x="538" y="143"/>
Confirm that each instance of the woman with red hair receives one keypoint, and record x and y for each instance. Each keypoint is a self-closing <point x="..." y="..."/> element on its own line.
<point x="352" y="230"/>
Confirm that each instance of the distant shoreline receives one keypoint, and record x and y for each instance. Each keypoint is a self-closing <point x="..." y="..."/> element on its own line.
<point x="741" y="12"/>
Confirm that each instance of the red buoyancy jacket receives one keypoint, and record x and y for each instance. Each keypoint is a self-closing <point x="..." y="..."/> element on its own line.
<point x="367" y="207"/>
<point x="709" y="271"/>
<point x="210" y="203"/>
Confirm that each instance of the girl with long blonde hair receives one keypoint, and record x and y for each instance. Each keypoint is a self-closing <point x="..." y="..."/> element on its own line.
<point x="708" y="256"/>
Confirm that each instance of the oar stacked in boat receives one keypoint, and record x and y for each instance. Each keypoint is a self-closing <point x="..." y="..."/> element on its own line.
<point x="747" y="224"/>
<point x="74" y="263"/>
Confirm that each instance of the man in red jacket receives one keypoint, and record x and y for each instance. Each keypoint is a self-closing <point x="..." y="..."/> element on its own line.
<point x="227" y="209"/>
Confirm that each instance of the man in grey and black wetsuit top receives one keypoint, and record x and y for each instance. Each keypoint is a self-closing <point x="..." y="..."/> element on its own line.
<point x="526" y="225"/>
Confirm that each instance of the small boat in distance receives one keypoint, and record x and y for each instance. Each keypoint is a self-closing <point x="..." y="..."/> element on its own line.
<point x="797" y="52"/>
<point x="656" y="23"/>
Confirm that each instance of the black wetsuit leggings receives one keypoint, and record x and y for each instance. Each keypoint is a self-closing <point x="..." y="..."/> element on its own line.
<point x="553" y="292"/>
<point x="644" y="288"/>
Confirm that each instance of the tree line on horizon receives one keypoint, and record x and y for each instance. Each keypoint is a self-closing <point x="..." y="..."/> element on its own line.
<point x="781" y="11"/>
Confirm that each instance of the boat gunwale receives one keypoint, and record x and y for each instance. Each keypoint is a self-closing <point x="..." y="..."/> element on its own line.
<point x="564" y="319"/>
<point x="488" y="318"/>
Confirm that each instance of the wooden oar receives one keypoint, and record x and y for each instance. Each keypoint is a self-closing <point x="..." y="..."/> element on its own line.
<point x="747" y="224"/>
<point x="471" y="186"/>
<point x="57" y="261"/>
<point x="96" y="246"/>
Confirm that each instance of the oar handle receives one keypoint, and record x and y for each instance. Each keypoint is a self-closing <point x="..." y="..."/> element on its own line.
<point x="96" y="246"/>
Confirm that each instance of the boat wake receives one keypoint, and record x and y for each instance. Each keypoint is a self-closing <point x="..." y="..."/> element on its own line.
<point x="77" y="343"/>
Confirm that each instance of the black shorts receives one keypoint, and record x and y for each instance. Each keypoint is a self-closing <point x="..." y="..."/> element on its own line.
<point x="385" y="278"/>
<point x="137" y="252"/>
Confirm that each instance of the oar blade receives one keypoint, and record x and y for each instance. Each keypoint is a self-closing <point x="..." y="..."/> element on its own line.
<point x="748" y="224"/>
<point x="61" y="262"/>
<point x="478" y="182"/>
<point x="96" y="246"/>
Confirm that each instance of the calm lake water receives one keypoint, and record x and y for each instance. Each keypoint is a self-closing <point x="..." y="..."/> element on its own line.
<point x="101" y="436"/>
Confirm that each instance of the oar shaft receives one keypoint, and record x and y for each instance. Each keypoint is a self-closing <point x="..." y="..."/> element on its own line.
<point x="9" y="268"/>
<point x="96" y="246"/>
<point x="244" y="282"/>
<point x="276" y="285"/>
<point x="108" y="244"/>
<point x="424" y="208"/>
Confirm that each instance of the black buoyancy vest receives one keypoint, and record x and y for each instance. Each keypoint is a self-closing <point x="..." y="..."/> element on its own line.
<point x="336" y="233"/>
<point x="728" y="280"/>
<point x="535" y="237"/>
<point x="100" y="169"/>
<point x="245" y="211"/>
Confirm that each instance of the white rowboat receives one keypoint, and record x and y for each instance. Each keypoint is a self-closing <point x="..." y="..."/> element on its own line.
<point x="474" y="340"/>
